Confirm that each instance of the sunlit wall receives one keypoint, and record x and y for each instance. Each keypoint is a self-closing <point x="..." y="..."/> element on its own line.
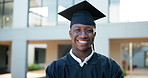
<point x="128" y="11"/>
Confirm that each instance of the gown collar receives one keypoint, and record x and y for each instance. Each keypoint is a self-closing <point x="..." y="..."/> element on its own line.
<point x="96" y="58"/>
<point x="79" y="60"/>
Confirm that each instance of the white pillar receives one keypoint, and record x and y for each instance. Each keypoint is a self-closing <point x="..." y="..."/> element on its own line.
<point x="102" y="45"/>
<point x="19" y="59"/>
<point x="20" y="13"/>
<point x="31" y="53"/>
<point x="101" y="40"/>
<point x="131" y="57"/>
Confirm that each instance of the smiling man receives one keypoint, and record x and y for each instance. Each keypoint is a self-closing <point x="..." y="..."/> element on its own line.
<point x="82" y="61"/>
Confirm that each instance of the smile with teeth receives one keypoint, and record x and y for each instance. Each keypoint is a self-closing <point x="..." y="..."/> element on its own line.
<point x="83" y="42"/>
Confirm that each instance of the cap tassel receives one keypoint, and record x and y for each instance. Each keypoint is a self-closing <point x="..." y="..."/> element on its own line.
<point x="93" y="47"/>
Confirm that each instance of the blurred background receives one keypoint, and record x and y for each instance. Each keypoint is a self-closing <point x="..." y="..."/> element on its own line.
<point x="32" y="35"/>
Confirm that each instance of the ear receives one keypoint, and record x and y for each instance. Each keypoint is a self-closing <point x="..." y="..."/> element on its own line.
<point x="70" y="33"/>
<point x="94" y="34"/>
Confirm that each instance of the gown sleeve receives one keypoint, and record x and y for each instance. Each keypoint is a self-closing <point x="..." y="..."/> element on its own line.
<point x="116" y="71"/>
<point x="50" y="71"/>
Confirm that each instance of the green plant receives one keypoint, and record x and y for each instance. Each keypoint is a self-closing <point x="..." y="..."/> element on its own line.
<point x="34" y="67"/>
<point x="124" y="72"/>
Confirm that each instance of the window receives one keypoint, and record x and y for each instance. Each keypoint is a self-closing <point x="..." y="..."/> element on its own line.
<point x="128" y="11"/>
<point x="42" y="13"/>
<point x="1" y="17"/>
<point x="6" y="13"/>
<point x="146" y="59"/>
<point x="39" y="55"/>
<point x="4" y="59"/>
<point x="45" y="12"/>
<point x="62" y="5"/>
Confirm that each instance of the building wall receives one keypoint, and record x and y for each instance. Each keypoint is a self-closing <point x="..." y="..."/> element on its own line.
<point x="118" y="31"/>
<point x="105" y="32"/>
<point x="52" y="50"/>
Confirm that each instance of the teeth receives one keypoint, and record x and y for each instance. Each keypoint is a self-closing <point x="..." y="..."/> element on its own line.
<point x="82" y="41"/>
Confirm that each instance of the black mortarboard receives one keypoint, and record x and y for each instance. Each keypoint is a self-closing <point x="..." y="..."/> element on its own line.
<point x="82" y="13"/>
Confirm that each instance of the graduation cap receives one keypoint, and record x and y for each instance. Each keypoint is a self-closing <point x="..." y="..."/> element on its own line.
<point x="82" y="13"/>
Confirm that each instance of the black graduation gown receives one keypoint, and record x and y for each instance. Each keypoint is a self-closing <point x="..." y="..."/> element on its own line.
<point x="98" y="66"/>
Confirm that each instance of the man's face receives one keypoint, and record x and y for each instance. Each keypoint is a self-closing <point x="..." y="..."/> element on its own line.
<point x="82" y="36"/>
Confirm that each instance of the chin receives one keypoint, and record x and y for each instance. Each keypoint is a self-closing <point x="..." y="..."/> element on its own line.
<point x="83" y="48"/>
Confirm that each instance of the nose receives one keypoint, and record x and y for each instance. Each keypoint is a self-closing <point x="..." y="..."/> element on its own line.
<point x="83" y="34"/>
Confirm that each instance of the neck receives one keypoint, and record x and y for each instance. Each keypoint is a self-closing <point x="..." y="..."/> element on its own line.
<point x="82" y="54"/>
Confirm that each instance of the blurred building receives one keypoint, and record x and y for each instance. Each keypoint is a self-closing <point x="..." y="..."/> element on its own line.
<point x="31" y="32"/>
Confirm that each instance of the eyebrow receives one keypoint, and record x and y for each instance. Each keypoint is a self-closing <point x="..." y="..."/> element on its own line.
<point x="78" y="26"/>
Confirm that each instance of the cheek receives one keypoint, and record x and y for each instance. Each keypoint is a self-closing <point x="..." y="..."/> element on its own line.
<point x="92" y="36"/>
<point x="72" y="36"/>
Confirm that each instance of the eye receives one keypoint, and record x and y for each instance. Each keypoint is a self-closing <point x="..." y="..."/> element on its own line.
<point x="89" y="30"/>
<point x="77" y="30"/>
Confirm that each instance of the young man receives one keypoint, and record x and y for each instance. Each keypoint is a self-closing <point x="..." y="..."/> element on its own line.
<point x="82" y="61"/>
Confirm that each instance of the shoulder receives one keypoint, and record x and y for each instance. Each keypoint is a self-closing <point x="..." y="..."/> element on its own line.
<point x="106" y="60"/>
<point x="111" y="65"/>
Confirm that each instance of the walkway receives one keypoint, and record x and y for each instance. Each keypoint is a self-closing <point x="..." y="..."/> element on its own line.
<point x="137" y="73"/>
<point x="30" y="74"/>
